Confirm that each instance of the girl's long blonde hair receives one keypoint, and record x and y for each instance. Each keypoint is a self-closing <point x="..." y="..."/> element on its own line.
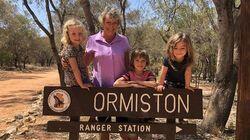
<point x="173" y="40"/>
<point x="72" y="22"/>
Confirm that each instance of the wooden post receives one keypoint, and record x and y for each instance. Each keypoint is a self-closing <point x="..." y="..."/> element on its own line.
<point x="243" y="108"/>
<point x="74" y="135"/>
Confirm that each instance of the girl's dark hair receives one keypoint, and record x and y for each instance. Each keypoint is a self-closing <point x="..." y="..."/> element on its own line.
<point x="141" y="53"/>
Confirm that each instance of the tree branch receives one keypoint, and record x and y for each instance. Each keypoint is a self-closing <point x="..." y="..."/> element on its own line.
<point x="88" y="15"/>
<point x="25" y="3"/>
<point x="56" y="10"/>
<point x="49" y="17"/>
<point x="204" y="8"/>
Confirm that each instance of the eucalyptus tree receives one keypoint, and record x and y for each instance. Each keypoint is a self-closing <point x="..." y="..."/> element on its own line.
<point x="60" y="10"/>
<point x="222" y="97"/>
<point x="174" y="16"/>
<point x="243" y="112"/>
<point x="17" y="36"/>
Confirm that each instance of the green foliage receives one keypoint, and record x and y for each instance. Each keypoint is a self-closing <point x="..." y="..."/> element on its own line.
<point x="19" y="38"/>
<point x="146" y="36"/>
<point x="192" y="17"/>
<point x="5" y="57"/>
<point x="148" y="26"/>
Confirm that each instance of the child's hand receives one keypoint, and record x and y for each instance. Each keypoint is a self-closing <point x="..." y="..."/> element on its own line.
<point x="159" y="88"/>
<point x="64" y="63"/>
<point x="85" y="87"/>
<point x="189" y="88"/>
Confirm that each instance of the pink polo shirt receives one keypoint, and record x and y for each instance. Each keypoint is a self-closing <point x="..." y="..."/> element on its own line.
<point x="109" y="58"/>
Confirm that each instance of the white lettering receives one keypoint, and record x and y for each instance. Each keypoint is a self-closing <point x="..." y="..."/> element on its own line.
<point x="95" y="127"/>
<point x="98" y="127"/>
<point x="145" y="103"/>
<point x="157" y="101"/>
<point x="180" y="101"/>
<point x="148" y="128"/>
<point x="166" y="103"/>
<point x="123" y="103"/>
<point x="81" y="127"/>
<point x="120" y="128"/>
<point x="95" y="102"/>
<point x="129" y="128"/>
<point x="108" y="127"/>
<point x="87" y="128"/>
<point x="134" y="128"/>
<point x="109" y="101"/>
<point x="136" y="102"/>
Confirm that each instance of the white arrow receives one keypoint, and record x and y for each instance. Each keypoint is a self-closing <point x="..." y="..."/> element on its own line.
<point x="177" y="129"/>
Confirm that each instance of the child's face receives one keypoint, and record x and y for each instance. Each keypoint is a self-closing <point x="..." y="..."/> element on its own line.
<point x="180" y="50"/>
<point x="140" y="63"/>
<point x="75" y="35"/>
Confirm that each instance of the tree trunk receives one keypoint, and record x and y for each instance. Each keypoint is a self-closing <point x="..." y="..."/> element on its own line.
<point x="123" y="9"/>
<point x="50" y="34"/>
<point x="243" y="108"/>
<point x="58" y="60"/>
<point x="49" y="61"/>
<point x="221" y="100"/>
<point x="88" y="15"/>
<point x="25" y="61"/>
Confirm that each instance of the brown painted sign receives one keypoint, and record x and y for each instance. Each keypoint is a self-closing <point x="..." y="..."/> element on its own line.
<point x="97" y="127"/>
<point x="123" y="102"/>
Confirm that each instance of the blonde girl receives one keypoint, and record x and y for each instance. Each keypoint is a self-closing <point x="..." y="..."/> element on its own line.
<point x="74" y="36"/>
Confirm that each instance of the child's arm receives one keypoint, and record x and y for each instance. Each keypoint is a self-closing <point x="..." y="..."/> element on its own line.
<point x="188" y="74"/>
<point x="87" y="63"/>
<point x="121" y="82"/>
<point x="76" y="72"/>
<point x="88" y="58"/>
<point x="150" y="83"/>
<point x="164" y="71"/>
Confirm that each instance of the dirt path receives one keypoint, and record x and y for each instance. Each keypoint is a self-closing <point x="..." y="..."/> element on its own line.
<point x="17" y="90"/>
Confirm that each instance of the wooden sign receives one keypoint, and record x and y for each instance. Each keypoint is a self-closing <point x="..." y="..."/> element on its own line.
<point x="97" y="127"/>
<point x="170" y="130"/>
<point x="123" y="102"/>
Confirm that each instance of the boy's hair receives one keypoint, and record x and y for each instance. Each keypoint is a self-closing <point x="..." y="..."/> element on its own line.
<point x="72" y="22"/>
<point x="141" y="53"/>
<point x="112" y="12"/>
<point x="173" y="40"/>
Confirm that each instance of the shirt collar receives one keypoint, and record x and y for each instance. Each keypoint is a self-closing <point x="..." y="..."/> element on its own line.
<point x="99" y="37"/>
